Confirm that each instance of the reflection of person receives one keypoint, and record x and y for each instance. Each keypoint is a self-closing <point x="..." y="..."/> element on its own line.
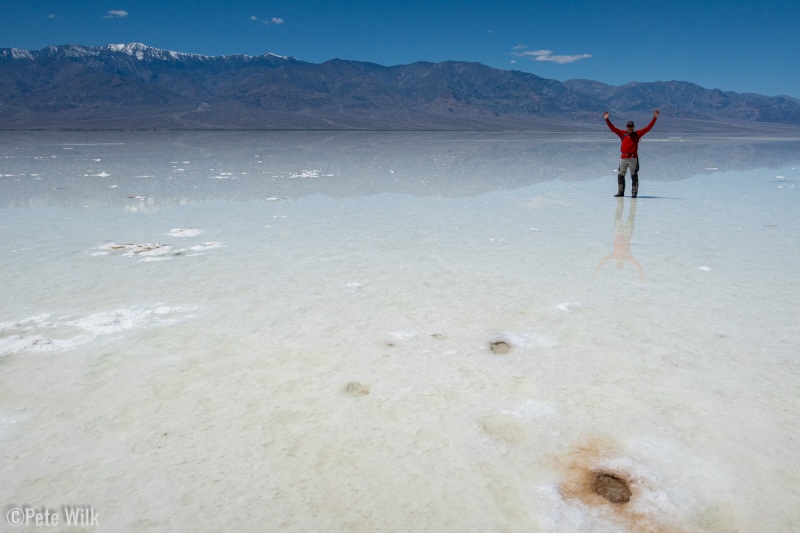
<point x="630" y="153"/>
<point x="623" y="233"/>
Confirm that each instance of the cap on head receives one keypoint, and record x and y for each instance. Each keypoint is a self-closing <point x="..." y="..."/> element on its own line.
<point x="630" y="123"/>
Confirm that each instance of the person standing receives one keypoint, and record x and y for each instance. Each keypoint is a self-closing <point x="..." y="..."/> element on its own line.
<point x="630" y="153"/>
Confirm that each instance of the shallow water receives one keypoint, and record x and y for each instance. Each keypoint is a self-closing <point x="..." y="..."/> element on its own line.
<point x="263" y="331"/>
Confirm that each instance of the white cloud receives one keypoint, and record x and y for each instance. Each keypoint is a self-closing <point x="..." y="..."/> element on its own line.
<point x="547" y="55"/>
<point x="53" y="16"/>
<point x="273" y="20"/>
<point x="116" y="14"/>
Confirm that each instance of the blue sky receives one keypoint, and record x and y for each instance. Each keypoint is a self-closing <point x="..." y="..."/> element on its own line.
<point x="742" y="46"/>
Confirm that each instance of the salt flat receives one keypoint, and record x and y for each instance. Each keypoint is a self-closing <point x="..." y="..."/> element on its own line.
<point x="294" y="331"/>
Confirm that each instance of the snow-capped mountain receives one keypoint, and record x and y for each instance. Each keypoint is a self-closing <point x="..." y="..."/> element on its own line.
<point x="134" y="86"/>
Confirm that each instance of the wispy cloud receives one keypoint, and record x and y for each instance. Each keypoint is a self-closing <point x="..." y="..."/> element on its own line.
<point x="547" y="55"/>
<point x="116" y="14"/>
<point x="53" y="16"/>
<point x="273" y="20"/>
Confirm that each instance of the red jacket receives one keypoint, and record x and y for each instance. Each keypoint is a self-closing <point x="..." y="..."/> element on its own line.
<point x="630" y="143"/>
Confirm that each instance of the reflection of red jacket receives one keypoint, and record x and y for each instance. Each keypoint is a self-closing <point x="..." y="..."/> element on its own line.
<point x="630" y="143"/>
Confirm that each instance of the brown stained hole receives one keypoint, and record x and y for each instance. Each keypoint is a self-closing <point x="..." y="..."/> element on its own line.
<point x="354" y="388"/>
<point x="585" y="481"/>
<point x="612" y="488"/>
<point x="500" y="347"/>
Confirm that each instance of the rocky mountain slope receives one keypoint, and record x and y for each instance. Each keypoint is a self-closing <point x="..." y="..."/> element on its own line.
<point x="134" y="86"/>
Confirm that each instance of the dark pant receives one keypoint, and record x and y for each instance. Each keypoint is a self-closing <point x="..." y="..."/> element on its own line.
<point x="624" y="165"/>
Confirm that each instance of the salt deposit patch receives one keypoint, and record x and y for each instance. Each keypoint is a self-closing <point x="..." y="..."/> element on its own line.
<point x="180" y="232"/>
<point x="403" y="335"/>
<point x="138" y="250"/>
<point x="124" y="319"/>
<point x="152" y="252"/>
<point x="47" y="333"/>
<point x="526" y="340"/>
<point x="206" y="246"/>
<point x="9" y="420"/>
<point x="531" y="409"/>
<point x="309" y="174"/>
<point x="91" y="144"/>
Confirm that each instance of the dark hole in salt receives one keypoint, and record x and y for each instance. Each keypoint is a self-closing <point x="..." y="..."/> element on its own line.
<point x="612" y="488"/>
<point x="500" y="347"/>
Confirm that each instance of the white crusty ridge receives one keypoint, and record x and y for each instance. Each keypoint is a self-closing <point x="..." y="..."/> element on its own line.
<point x="136" y="50"/>
<point x="16" y="53"/>
<point x="141" y="51"/>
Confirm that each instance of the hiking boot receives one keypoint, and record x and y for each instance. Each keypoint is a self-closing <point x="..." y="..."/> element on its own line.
<point x="620" y="186"/>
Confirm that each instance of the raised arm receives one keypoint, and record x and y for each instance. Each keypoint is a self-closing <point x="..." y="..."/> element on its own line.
<point x="611" y="126"/>
<point x="649" y="126"/>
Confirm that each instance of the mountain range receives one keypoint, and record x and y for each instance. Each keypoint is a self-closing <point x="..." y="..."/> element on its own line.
<point x="133" y="87"/>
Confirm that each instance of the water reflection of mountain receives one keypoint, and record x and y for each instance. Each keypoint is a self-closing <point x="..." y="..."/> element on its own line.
<point x="151" y="170"/>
